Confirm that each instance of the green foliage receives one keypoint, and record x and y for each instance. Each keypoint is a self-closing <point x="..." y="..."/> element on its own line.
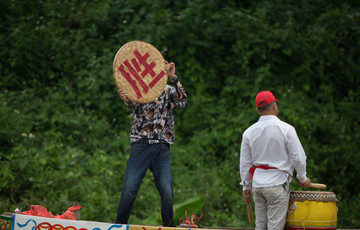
<point x="64" y="130"/>
<point x="190" y="206"/>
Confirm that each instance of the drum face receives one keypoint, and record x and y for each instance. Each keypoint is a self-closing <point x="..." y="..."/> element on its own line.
<point x="139" y="70"/>
<point x="312" y="210"/>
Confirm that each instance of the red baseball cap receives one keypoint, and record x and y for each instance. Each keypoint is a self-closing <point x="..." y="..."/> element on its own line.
<point x="264" y="98"/>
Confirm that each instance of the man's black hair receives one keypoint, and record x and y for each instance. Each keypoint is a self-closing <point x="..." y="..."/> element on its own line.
<point x="265" y="107"/>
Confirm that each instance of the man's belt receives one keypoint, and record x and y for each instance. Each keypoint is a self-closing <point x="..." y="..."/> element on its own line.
<point x="252" y="169"/>
<point x="154" y="141"/>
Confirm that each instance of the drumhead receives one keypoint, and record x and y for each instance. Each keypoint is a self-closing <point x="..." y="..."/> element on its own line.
<point x="139" y="69"/>
<point x="313" y="195"/>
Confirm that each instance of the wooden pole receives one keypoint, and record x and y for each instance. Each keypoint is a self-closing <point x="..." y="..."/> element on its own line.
<point x="249" y="208"/>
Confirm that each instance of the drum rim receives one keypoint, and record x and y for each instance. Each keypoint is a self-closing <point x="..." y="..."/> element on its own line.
<point x="325" y="196"/>
<point x="316" y="192"/>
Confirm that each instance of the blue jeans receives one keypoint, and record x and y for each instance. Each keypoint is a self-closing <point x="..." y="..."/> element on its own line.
<point x="143" y="156"/>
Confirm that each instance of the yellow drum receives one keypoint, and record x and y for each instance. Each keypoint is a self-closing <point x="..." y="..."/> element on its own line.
<point x="312" y="210"/>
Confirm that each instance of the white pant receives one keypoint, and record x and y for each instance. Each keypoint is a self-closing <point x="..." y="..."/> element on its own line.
<point x="271" y="206"/>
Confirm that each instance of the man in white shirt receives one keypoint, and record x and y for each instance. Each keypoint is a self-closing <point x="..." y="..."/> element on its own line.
<point x="270" y="151"/>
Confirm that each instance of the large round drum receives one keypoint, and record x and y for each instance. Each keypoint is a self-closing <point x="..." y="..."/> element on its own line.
<point x="139" y="69"/>
<point x="312" y="210"/>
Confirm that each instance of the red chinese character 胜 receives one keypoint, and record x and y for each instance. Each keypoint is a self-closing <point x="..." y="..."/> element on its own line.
<point x="135" y="75"/>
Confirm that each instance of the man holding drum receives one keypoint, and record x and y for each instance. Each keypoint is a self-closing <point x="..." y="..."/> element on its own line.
<point x="151" y="136"/>
<point x="270" y="151"/>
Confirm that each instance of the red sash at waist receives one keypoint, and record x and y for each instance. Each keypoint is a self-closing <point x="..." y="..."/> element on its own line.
<point x="252" y="169"/>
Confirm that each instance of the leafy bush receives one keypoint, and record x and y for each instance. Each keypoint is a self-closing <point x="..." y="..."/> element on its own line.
<point x="64" y="130"/>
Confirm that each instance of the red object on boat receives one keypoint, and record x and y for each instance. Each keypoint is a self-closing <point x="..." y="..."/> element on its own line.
<point x="38" y="210"/>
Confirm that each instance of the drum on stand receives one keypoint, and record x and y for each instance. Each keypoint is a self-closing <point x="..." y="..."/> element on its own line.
<point x="312" y="210"/>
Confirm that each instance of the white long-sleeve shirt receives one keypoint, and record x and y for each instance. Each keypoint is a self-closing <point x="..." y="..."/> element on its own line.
<point x="274" y="143"/>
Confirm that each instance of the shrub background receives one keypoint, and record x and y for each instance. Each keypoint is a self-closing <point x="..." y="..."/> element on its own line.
<point x="64" y="130"/>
